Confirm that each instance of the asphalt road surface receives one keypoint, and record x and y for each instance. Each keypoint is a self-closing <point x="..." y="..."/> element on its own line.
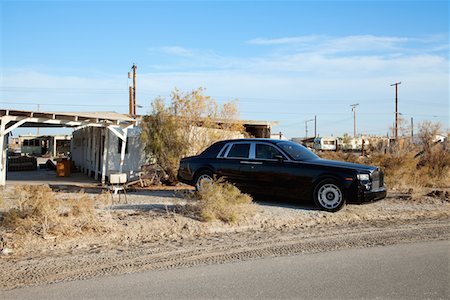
<point x="407" y="271"/>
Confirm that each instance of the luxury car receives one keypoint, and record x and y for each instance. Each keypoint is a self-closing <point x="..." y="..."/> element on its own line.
<point x="284" y="169"/>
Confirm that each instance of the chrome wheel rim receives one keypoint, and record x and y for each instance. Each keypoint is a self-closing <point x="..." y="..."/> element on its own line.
<point x="330" y="196"/>
<point x="202" y="180"/>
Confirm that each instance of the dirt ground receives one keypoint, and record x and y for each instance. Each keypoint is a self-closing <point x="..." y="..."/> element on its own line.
<point x="148" y="233"/>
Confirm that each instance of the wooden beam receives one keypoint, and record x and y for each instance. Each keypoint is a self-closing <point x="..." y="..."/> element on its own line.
<point x="2" y="157"/>
<point x="105" y="155"/>
<point x="122" y="152"/>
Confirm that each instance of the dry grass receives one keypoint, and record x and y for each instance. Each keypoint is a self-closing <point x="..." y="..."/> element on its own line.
<point x="220" y="200"/>
<point x="406" y="172"/>
<point x="38" y="211"/>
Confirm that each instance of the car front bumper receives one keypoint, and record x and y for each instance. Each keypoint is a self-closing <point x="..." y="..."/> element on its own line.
<point x="372" y="195"/>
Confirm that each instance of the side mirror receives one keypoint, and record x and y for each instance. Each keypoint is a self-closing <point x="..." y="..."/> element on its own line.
<point x="279" y="158"/>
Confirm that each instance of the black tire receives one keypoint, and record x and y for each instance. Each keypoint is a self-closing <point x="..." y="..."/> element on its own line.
<point x="202" y="175"/>
<point x="329" y="195"/>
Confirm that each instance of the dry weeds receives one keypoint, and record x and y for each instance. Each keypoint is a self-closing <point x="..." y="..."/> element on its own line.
<point x="405" y="171"/>
<point x="31" y="212"/>
<point x="219" y="200"/>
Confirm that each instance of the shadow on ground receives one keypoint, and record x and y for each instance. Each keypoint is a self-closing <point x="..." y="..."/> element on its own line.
<point x="284" y="202"/>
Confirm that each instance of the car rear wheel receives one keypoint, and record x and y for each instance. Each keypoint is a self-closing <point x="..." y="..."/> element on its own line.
<point x="202" y="178"/>
<point x="329" y="196"/>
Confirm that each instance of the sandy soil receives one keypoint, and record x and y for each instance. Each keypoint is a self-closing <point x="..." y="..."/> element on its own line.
<point x="148" y="233"/>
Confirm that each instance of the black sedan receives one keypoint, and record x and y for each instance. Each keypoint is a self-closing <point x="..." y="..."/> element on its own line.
<point x="284" y="169"/>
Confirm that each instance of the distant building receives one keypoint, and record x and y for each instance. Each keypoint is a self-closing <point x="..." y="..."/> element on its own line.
<point x="325" y="143"/>
<point x="278" y="136"/>
<point x="38" y="145"/>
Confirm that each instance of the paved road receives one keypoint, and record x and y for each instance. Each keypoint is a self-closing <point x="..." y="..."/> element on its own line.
<point x="419" y="270"/>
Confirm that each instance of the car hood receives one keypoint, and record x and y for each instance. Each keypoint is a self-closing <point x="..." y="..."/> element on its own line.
<point x="342" y="164"/>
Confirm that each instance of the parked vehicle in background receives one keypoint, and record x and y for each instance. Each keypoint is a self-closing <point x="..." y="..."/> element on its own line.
<point x="325" y="143"/>
<point x="284" y="169"/>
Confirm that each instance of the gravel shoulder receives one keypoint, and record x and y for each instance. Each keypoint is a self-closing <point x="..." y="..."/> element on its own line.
<point x="150" y="235"/>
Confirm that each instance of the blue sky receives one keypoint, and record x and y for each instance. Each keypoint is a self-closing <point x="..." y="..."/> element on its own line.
<point x="284" y="61"/>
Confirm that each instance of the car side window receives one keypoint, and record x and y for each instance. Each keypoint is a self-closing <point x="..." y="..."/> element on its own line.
<point x="264" y="151"/>
<point x="239" y="151"/>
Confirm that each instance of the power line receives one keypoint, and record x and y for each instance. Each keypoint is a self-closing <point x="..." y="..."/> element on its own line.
<point x="295" y="101"/>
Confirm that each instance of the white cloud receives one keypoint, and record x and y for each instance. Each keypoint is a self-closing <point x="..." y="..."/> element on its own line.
<point x="293" y="79"/>
<point x="177" y="51"/>
<point x="284" y="41"/>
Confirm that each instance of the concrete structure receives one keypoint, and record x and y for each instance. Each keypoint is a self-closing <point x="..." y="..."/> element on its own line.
<point x="116" y="123"/>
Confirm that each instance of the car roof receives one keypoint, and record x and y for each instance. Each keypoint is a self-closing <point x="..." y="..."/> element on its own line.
<point x="272" y="141"/>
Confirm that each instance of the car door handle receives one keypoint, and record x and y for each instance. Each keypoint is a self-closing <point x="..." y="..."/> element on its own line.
<point x="251" y="162"/>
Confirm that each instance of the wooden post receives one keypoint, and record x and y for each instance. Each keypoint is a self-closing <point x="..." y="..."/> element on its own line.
<point x="134" y="90"/>
<point x="2" y="160"/>
<point x="131" y="101"/>
<point x="88" y="150"/>
<point x="122" y="151"/>
<point x="96" y="152"/>
<point x="362" y="148"/>
<point x="54" y="146"/>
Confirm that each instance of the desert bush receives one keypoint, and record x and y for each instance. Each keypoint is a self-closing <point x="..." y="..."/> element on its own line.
<point x="187" y="126"/>
<point x="407" y="167"/>
<point x="220" y="200"/>
<point x="36" y="210"/>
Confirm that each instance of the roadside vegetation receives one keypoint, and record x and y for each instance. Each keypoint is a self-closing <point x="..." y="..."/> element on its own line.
<point x="409" y="167"/>
<point x="30" y="212"/>
<point x="189" y="124"/>
<point x="219" y="200"/>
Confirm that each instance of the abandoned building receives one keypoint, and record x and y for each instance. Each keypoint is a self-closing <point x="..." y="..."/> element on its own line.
<point x="103" y="143"/>
<point x="46" y="145"/>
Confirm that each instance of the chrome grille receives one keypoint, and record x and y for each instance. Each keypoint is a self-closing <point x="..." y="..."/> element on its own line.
<point x="381" y="179"/>
<point x="377" y="180"/>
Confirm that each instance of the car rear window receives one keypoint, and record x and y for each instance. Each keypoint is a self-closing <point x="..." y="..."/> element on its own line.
<point x="239" y="150"/>
<point x="212" y="151"/>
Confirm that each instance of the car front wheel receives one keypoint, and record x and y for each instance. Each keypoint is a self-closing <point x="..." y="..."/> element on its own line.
<point x="202" y="178"/>
<point x="329" y="196"/>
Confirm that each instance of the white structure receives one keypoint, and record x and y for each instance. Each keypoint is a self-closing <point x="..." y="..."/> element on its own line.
<point x="278" y="136"/>
<point x="325" y="143"/>
<point x="353" y="144"/>
<point x="116" y="123"/>
<point x="44" y="144"/>
<point x="99" y="161"/>
<point x="100" y="151"/>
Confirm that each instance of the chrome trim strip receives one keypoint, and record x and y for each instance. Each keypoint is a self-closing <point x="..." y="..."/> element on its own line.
<point x="251" y="162"/>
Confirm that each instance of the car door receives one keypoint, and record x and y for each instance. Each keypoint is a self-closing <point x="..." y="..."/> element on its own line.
<point x="273" y="173"/>
<point x="269" y="172"/>
<point x="230" y="163"/>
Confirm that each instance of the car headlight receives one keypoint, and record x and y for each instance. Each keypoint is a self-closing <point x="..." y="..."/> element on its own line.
<point x="363" y="177"/>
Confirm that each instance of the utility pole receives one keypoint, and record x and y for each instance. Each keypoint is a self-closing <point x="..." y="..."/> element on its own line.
<point x="130" y="90"/>
<point x="133" y="91"/>
<point x="306" y="127"/>
<point x="38" y="106"/>
<point x="396" y="109"/>
<point x="354" y="118"/>
<point x="412" y="129"/>
<point x="315" y="126"/>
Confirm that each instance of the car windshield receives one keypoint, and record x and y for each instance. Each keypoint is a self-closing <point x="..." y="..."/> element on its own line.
<point x="296" y="151"/>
